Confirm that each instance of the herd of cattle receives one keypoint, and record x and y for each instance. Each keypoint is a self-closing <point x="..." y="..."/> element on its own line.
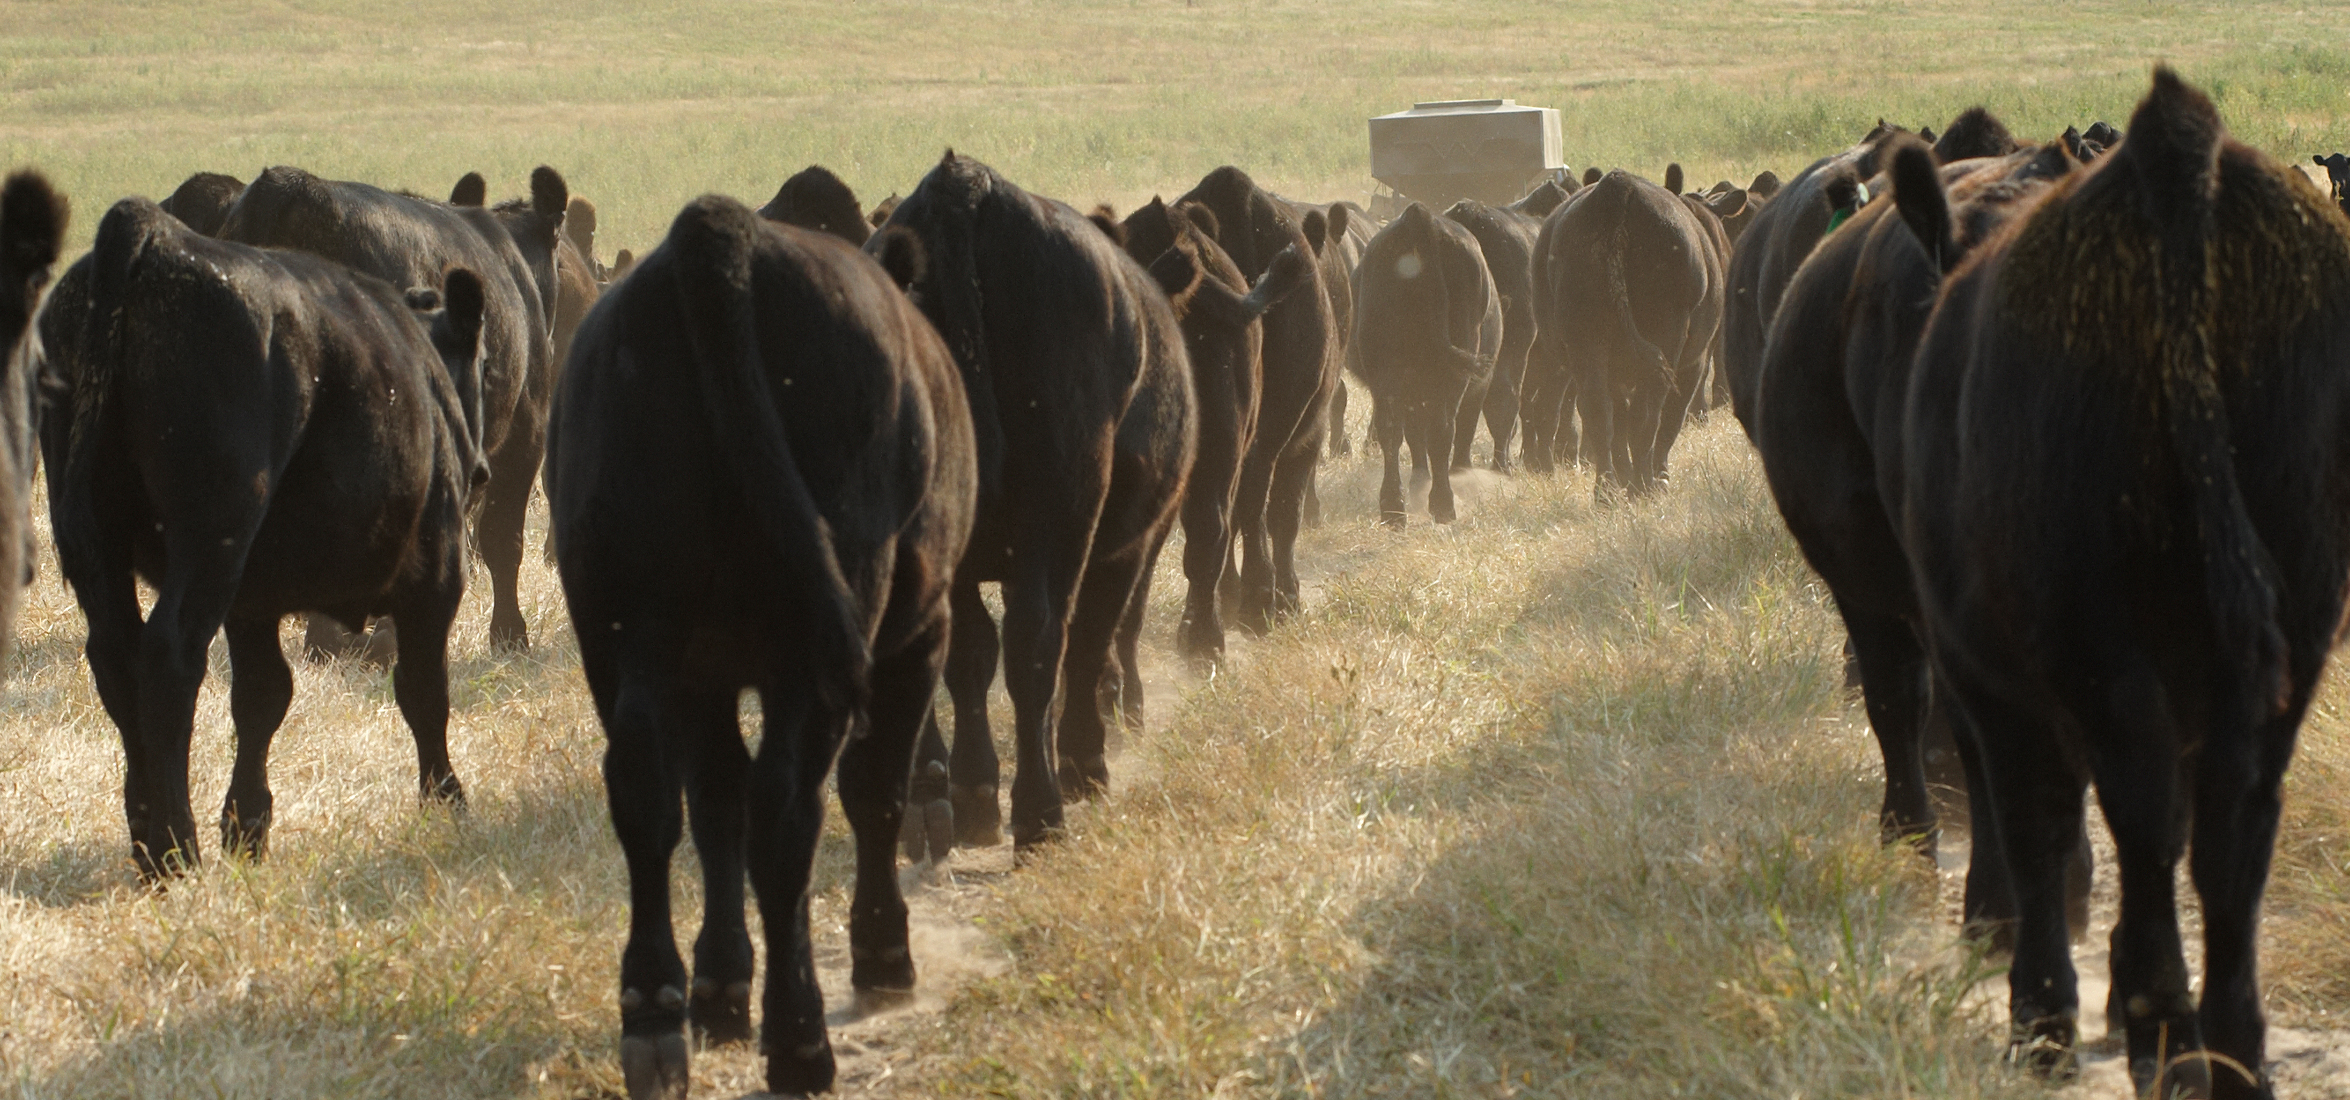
<point x="2060" y="425"/>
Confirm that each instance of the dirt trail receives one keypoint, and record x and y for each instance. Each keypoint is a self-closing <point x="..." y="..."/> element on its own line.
<point x="2306" y="1064"/>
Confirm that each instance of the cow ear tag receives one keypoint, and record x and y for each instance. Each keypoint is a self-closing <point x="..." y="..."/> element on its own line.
<point x="1860" y="199"/>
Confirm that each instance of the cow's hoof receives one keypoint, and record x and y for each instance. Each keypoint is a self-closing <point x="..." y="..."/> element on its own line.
<point x="509" y="634"/>
<point x="1393" y="520"/>
<point x="2045" y="1047"/>
<point x="874" y="1002"/>
<point x="1084" y="779"/>
<point x="446" y="791"/>
<point x="979" y="818"/>
<point x="938" y="820"/>
<point x="722" y="1015"/>
<point x="1029" y="838"/>
<point x="654" y="1066"/>
<point x="913" y="837"/>
<point x="380" y="647"/>
<point x="886" y="970"/>
<point x="805" y="1071"/>
<point x="244" y="835"/>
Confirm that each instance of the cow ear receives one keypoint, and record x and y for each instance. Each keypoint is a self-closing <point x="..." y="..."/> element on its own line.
<point x="549" y="196"/>
<point x="1204" y="220"/>
<point x="1105" y="218"/>
<point x="1591" y="175"/>
<point x="1917" y="193"/>
<point x="901" y="255"/>
<point x="462" y="297"/>
<point x="1927" y="135"/>
<point x="1673" y="178"/>
<point x="423" y="299"/>
<point x="1338" y="220"/>
<point x="622" y="262"/>
<point x="471" y="190"/>
<point x="1727" y="204"/>
<point x="1317" y="230"/>
<point x="1766" y="184"/>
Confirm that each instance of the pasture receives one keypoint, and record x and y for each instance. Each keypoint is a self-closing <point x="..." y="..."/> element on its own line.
<point x="1556" y="801"/>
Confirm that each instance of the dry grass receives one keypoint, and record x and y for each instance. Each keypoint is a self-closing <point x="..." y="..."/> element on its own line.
<point x="1555" y="802"/>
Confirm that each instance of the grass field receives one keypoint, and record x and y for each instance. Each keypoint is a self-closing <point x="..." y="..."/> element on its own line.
<point x="1554" y="802"/>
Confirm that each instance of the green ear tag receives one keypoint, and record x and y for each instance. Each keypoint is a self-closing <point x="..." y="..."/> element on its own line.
<point x="1839" y="218"/>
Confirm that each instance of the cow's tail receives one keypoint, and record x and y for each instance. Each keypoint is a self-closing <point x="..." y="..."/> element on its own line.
<point x="32" y="226"/>
<point x="2173" y="150"/>
<point x="714" y="238"/>
<point x="1613" y="253"/>
<point x="1427" y="277"/>
<point x="124" y="238"/>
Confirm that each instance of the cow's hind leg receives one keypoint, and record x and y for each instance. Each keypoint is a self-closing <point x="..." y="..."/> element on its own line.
<point x="975" y="771"/>
<point x="109" y="597"/>
<point x="705" y="741"/>
<point x="2038" y="803"/>
<point x="261" y="686"/>
<point x="873" y="771"/>
<point x="1501" y="404"/>
<point x="1893" y="684"/>
<point x="1129" y="667"/>
<point x="2135" y="744"/>
<point x="420" y="684"/>
<point x="1102" y="599"/>
<point x="172" y="658"/>
<point x="1462" y="437"/>
<point x="1387" y="420"/>
<point x="1441" y="441"/>
<point x="643" y="792"/>
<point x="1293" y="475"/>
<point x="786" y="816"/>
<point x="499" y="532"/>
<point x="2236" y="811"/>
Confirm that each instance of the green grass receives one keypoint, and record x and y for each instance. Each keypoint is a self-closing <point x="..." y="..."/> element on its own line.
<point x="1554" y="802"/>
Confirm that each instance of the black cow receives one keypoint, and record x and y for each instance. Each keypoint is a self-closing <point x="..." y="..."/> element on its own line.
<point x="1428" y="333"/>
<point x="1775" y="244"/>
<point x="1302" y="359"/>
<point x="2124" y="465"/>
<point x="761" y="478"/>
<point x="1219" y="313"/>
<point x="1082" y="402"/>
<point x="409" y="241"/>
<point x="579" y="228"/>
<point x="1834" y="381"/>
<point x="1349" y="246"/>
<point x="578" y="280"/>
<point x="816" y="199"/>
<point x="1506" y="237"/>
<point x="32" y="227"/>
<point x="255" y="433"/>
<point x="2337" y="169"/>
<point x="1714" y="210"/>
<point x="1633" y="285"/>
<point x="203" y="199"/>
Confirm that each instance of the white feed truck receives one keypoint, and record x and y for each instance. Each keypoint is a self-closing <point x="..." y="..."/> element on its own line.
<point x="1438" y="153"/>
